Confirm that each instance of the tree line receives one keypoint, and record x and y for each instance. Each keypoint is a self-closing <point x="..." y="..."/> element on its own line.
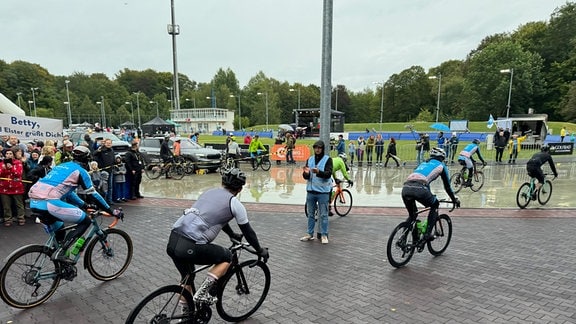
<point x="538" y="61"/>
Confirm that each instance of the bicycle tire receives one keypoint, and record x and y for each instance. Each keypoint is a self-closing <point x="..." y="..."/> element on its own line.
<point x="443" y="235"/>
<point x="402" y="242"/>
<point x="456" y="182"/>
<point x="249" y="279"/>
<point x="24" y="266"/>
<point x="523" y="195"/>
<point x="343" y="203"/>
<point x="266" y="164"/>
<point x="115" y="257"/>
<point x="176" y="171"/>
<point x="155" y="308"/>
<point x="153" y="171"/>
<point x="545" y="192"/>
<point x="189" y="167"/>
<point x="477" y="181"/>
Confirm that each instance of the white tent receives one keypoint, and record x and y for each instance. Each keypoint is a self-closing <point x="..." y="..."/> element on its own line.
<point x="8" y="107"/>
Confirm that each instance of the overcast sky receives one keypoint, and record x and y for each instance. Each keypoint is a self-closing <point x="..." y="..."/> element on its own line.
<point x="372" y="39"/>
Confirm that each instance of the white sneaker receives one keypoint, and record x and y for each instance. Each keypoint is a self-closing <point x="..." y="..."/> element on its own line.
<point x="324" y="239"/>
<point x="307" y="237"/>
<point x="38" y="220"/>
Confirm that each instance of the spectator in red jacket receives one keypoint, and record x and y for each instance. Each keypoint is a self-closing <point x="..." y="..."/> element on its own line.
<point x="12" y="188"/>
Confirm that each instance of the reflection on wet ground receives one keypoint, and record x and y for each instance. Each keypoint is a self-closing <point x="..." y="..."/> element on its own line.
<point x="373" y="186"/>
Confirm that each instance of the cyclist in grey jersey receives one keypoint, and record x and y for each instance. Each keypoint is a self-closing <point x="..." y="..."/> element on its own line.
<point x="190" y="242"/>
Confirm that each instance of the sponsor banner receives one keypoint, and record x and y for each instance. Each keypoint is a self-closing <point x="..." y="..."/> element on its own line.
<point x="31" y="128"/>
<point x="565" y="148"/>
<point x="300" y="152"/>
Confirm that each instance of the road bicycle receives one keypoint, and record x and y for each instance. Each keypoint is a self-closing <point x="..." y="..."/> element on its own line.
<point x="341" y="199"/>
<point x="240" y="292"/>
<point x="528" y="192"/>
<point x="226" y="164"/>
<point x="262" y="161"/>
<point x="459" y="179"/>
<point x="30" y="275"/>
<point x="408" y="237"/>
<point x="171" y="169"/>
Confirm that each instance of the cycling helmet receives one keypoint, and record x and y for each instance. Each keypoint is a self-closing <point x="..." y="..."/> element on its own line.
<point x="437" y="153"/>
<point x="318" y="144"/>
<point x="234" y="179"/>
<point x="545" y="148"/>
<point x="81" y="154"/>
<point x="342" y="156"/>
<point x="476" y="141"/>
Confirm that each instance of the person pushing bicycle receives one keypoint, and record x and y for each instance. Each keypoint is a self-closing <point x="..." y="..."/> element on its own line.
<point x="255" y="149"/>
<point x="190" y="241"/>
<point x="417" y="188"/>
<point x="534" y="166"/>
<point x="54" y="198"/>
<point x="466" y="159"/>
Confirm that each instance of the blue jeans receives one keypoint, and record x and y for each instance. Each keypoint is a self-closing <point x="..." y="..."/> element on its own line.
<point x="322" y="199"/>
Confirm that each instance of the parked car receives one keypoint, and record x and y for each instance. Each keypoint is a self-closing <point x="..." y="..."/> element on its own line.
<point x="203" y="158"/>
<point x="119" y="146"/>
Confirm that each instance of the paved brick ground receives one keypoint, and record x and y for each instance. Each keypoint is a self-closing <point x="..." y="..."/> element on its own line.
<point x="503" y="266"/>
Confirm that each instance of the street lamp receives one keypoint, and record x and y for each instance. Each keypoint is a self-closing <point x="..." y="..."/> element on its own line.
<point x="439" y="77"/>
<point x="336" y="100"/>
<point x="69" y="109"/>
<point x="511" y="71"/>
<point x="171" y="96"/>
<point x="102" y="112"/>
<point x="30" y="102"/>
<point x="214" y="101"/>
<point x="193" y="101"/>
<point x="381" y="101"/>
<point x="34" y="101"/>
<point x="266" y="96"/>
<point x="156" y="102"/>
<point x="131" y="108"/>
<point x="292" y="90"/>
<point x="239" y="111"/>
<point x="138" y="107"/>
<point x="19" y="94"/>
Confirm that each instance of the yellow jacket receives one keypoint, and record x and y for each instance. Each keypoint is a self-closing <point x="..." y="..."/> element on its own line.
<point x="520" y="139"/>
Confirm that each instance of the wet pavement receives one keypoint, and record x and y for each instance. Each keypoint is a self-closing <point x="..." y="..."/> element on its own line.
<point x="373" y="186"/>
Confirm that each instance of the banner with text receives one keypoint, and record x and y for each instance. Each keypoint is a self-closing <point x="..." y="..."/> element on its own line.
<point x="31" y="128"/>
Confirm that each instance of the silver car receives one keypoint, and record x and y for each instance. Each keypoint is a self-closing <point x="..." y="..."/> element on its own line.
<point x="203" y="158"/>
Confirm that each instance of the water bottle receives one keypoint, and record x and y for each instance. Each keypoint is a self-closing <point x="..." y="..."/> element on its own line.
<point x="77" y="246"/>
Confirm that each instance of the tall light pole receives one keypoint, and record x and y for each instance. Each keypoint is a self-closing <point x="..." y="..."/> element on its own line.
<point x="239" y="111"/>
<point x="19" y="94"/>
<point x="69" y="109"/>
<point x="156" y="102"/>
<point x="511" y="71"/>
<point x="381" y="102"/>
<point x="34" y="101"/>
<point x="266" y="97"/>
<point x="174" y="30"/>
<point x="213" y="100"/>
<point x="138" y="107"/>
<point x="193" y="101"/>
<point x="292" y="90"/>
<point x="336" y="100"/>
<point x="171" y="89"/>
<point x="102" y="112"/>
<point x="439" y="77"/>
<point x="30" y="102"/>
<point x="131" y="108"/>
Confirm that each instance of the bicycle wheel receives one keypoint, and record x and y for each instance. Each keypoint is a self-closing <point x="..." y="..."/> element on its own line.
<point x="29" y="277"/>
<point x="189" y="167"/>
<point x="107" y="260"/>
<point x="153" y="171"/>
<point x="176" y="171"/>
<point x="265" y="164"/>
<point x="545" y="192"/>
<point x="343" y="203"/>
<point x="523" y="195"/>
<point x="456" y="182"/>
<point x="401" y="244"/>
<point x="243" y="290"/>
<point x="163" y="306"/>
<point x="443" y="235"/>
<point x="477" y="181"/>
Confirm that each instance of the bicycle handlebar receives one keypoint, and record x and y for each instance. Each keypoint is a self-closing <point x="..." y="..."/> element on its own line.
<point x="238" y="244"/>
<point x="454" y="204"/>
<point x="94" y="212"/>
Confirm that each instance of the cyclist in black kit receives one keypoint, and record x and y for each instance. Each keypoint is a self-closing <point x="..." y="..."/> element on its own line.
<point x="191" y="239"/>
<point x="534" y="166"/>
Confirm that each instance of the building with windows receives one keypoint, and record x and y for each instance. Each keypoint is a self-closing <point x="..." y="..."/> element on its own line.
<point x="202" y="120"/>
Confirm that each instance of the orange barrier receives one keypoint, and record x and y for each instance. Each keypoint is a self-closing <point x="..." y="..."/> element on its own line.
<point x="300" y="153"/>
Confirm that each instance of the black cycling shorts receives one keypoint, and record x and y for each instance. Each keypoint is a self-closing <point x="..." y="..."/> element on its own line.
<point x="535" y="172"/>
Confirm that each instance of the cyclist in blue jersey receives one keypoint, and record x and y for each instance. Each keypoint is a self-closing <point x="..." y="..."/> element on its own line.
<point x="54" y="198"/>
<point x="417" y="188"/>
<point x="466" y="159"/>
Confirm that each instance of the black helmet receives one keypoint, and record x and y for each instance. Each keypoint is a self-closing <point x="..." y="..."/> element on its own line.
<point x="318" y="144"/>
<point x="545" y="148"/>
<point x="476" y="141"/>
<point x="234" y="179"/>
<point x="81" y="154"/>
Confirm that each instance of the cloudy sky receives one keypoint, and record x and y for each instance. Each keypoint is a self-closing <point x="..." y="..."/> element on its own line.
<point x="372" y="39"/>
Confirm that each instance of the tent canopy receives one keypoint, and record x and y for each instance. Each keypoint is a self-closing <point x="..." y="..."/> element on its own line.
<point x="157" y="126"/>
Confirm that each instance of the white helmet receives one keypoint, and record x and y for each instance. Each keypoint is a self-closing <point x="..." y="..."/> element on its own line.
<point x="437" y="153"/>
<point x="342" y="156"/>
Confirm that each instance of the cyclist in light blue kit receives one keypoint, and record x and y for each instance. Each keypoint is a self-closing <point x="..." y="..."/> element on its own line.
<point x="54" y="198"/>
<point x="417" y="188"/>
<point x="466" y="159"/>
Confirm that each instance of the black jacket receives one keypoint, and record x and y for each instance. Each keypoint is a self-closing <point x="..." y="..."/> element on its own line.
<point x="105" y="158"/>
<point x="132" y="161"/>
